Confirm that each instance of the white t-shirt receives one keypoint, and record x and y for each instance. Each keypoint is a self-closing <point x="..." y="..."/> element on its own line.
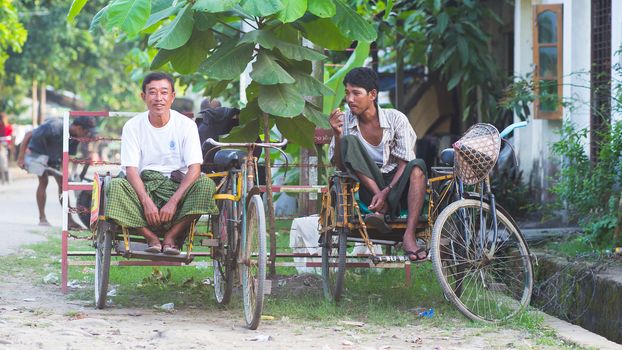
<point x="172" y="147"/>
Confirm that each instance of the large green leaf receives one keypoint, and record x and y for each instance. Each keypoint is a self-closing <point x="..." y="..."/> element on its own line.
<point x="74" y="10"/>
<point x="214" y="6"/>
<point x="298" y="52"/>
<point x="315" y="116"/>
<point x="228" y="61"/>
<point x="268" y="40"/>
<point x="309" y="86"/>
<point x="160" y="15"/>
<point x="292" y="10"/>
<point x="352" y="25"/>
<point x="297" y="130"/>
<point x="100" y="17"/>
<point x="244" y="133"/>
<point x="262" y="8"/>
<point x="187" y="58"/>
<point x="161" y="58"/>
<point x="267" y="71"/>
<point x="128" y="15"/>
<point x="322" y="8"/>
<point x="282" y="100"/>
<point x="264" y="38"/>
<point x="324" y="33"/>
<point x="357" y="59"/>
<point x="204" y="21"/>
<point x="178" y="32"/>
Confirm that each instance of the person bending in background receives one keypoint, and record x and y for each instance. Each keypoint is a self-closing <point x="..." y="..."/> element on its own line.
<point x="43" y="148"/>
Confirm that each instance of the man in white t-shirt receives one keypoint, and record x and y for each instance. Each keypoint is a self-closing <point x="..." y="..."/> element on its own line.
<point x="161" y="156"/>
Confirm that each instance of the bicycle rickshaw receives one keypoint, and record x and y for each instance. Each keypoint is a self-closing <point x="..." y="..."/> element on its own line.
<point x="236" y="237"/>
<point x="479" y="256"/>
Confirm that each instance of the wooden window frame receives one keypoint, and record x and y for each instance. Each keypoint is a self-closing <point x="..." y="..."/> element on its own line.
<point x="558" y="10"/>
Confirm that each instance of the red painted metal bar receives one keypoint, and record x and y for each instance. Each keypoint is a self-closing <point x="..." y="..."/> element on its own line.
<point x="89" y="113"/>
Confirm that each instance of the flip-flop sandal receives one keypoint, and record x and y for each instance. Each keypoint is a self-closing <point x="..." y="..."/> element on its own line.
<point x="377" y="221"/>
<point x="171" y="250"/>
<point x="410" y="253"/>
<point x="156" y="248"/>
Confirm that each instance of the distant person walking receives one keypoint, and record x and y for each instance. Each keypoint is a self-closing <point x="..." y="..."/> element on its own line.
<point x="41" y="153"/>
<point x="6" y="146"/>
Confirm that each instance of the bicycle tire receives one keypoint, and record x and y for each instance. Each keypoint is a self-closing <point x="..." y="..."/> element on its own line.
<point x="102" y="265"/>
<point x="334" y="246"/>
<point x="225" y="255"/>
<point x="488" y="287"/>
<point x="254" y="259"/>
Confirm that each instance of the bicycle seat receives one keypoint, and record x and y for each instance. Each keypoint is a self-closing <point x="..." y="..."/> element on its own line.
<point x="227" y="158"/>
<point x="447" y="156"/>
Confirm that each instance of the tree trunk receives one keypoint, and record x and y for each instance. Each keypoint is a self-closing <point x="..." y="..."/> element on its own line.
<point x="269" y="199"/>
<point x="42" y="102"/>
<point x="35" y="106"/>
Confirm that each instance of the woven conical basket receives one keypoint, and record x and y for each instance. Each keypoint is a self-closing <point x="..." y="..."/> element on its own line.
<point x="476" y="153"/>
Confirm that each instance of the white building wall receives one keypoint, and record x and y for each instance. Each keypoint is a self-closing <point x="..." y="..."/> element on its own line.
<point x="535" y="141"/>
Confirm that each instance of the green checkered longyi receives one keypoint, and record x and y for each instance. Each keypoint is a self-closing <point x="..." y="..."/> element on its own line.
<point x="124" y="207"/>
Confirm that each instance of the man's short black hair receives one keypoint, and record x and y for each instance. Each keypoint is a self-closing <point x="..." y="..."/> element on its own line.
<point x="153" y="76"/>
<point x="362" y="77"/>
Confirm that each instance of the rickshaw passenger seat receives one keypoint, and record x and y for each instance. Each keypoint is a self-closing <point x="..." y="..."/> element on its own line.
<point x="403" y="213"/>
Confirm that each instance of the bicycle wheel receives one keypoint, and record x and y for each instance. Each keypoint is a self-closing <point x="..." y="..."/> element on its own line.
<point x="103" y="246"/>
<point x="488" y="279"/>
<point x="253" y="267"/>
<point x="334" y="263"/>
<point x="224" y="256"/>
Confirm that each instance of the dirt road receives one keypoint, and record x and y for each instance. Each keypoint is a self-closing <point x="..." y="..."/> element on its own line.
<point x="34" y="315"/>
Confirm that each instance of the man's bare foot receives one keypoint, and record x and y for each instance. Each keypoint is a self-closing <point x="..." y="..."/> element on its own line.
<point x="410" y="247"/>
<point x="44" y="222"/>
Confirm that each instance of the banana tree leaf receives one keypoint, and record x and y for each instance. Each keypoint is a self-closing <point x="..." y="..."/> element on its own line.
<point x="128" y="15"/>
<point x="160" y="15"/>
<point x="309" y="86"/>
<point x="315" y="116"/>
<point x="297" y="130"/>
<point x="262" y="8"/>
<point x="267" y="71"/>
<point x="186" y="59"/>
<point x="228" y="61"/>
<point x="352" y="25"/>
<point x="322" y="8"/>
<point x="281" y="100"/>
<point x="357" y="59"/>
<point x="214" y="6"/>
<point x="292" y="10"/>
<point x="178" y="32"/>
<point x="324" y="33"/>
<point x="74" y="10"/>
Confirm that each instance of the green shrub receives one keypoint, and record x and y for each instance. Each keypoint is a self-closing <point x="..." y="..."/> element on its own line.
<point x="590" y="191"/>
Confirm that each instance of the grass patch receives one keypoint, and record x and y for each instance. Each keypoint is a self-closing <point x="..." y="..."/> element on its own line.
<point x="378" y="298"/>
<point x="571" y="246"/>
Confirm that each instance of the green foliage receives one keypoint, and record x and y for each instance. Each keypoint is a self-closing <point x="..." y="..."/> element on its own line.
<point x="12" y="32"/>
<point x="447" y="37"/>
<point x="70" y="57"/>
<point x="590" y="192"/>
<point x="214" y="41"/>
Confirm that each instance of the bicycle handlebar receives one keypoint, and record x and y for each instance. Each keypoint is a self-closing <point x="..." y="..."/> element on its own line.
<point x="247" y="144"/>
<point x="511" y="128"/>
